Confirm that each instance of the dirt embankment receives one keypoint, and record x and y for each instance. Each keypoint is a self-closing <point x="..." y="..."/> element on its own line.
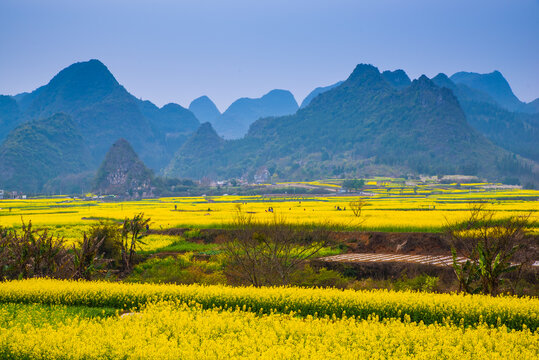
<point x="399" y="243"/>
<point x="355" y="241"/>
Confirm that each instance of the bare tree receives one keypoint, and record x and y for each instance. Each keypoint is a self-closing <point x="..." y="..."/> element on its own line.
<point x="490" y="248"/>
<point x="357" y="206"/>
<point x="267" y="253"/>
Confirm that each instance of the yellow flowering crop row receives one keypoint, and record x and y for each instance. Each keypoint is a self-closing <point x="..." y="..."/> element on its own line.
<point x="467" y="310"/>
<point x="171" y="331"/>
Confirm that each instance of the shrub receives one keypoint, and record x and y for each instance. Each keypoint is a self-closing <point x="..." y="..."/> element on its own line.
<point x="181" y="269"/>
<point x="309" y="277"/>
<point x="110" y="235"/>
<point x="31" y="253"/>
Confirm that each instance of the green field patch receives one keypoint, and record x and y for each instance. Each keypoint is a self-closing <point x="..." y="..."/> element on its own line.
<point x="39" y="315"/>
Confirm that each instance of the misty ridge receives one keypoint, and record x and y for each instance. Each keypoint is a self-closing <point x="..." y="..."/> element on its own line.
<point x="55" y="139"/>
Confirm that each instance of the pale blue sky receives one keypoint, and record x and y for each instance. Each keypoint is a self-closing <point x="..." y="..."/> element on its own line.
<point x="174" y="51"/>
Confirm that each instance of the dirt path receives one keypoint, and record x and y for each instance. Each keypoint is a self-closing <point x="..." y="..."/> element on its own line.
<point x="435" y="260"/>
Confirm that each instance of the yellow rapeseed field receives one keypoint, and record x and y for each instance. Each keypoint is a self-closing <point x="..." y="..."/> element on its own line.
<point x="388" y="209"/>
<point x="470" y="310"/>
<point x="174" y="331"/>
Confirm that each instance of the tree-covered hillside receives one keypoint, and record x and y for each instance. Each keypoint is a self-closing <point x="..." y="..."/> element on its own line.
<point x="9" y="115"/>
<point x="38" y="151"/>
<point x="515" y="131"/>
<point x="496" y="86"/>
<point x="364" y="125"/>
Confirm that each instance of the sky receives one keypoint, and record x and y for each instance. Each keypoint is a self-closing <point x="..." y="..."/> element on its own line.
<point x="177" y="50"/>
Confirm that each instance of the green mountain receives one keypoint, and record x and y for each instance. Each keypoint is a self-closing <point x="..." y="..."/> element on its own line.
<point x="102" y="108"/>
<point x="172" y="122"/>
<point x="496" y="86"/>
<point x="197" y="157"/>
<point x="40" y="150"/>
<point x="398" y="79"/>
<point x="316" y="92"/>
<point x="204" y="109"/>
<point x="235" y="121"/>
<point x="9" y="115"/>
<point x="364" y="126"/>
<point x="123" y="173"/>
<point x="514" y="131"/>
<point x="104" y="111"/>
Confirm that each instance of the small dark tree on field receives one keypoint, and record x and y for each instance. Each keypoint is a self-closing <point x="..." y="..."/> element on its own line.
<point x="490" y="249"/>
<point x="268" y="253"/>
<point x="132" y="232"/>
<point x="355" y="184"/>
<point x="357" y="206"/>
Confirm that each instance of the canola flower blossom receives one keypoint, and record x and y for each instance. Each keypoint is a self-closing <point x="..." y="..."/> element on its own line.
<point x="176" y="331"/>
<point x="428" y="308"/>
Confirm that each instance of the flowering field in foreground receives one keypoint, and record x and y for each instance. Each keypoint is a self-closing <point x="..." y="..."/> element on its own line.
<point x="171" y="331"/>
<point x="430" y="308"/>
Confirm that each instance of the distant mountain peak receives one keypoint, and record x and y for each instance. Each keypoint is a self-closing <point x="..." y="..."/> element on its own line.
<point x="172" y="107"/>
<point x="363" y="72"/>
<point x="442" y="77"/>
<point x="204" y="109"/>
<point x="493" y="84"/>
<point x="442" y="80"/>
<point x="206" y="130"/>
<point x="202" y="98"/>
<point x="235" y="121"/>
<point x="423" y="82"/>
<point x="123" y="144"/>
<point x="398" y="78"/>
<point x="92" y="72"/>
<point x="73" y="88"/>
<point x="429" y="93"/>
<point x="277" y="92"/>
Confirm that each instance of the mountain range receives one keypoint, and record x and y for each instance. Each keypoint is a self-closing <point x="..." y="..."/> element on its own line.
<point x="235" y="121"/>
<point x="103" y="111"/>
<point x="373" y="123"/>
<point x="366" y="125"/>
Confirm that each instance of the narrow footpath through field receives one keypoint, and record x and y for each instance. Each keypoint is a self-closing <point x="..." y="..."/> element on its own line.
<point x="436" y="260"/>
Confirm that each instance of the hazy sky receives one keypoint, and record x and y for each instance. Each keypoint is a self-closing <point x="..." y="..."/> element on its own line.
<point x="174" y="50"/>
